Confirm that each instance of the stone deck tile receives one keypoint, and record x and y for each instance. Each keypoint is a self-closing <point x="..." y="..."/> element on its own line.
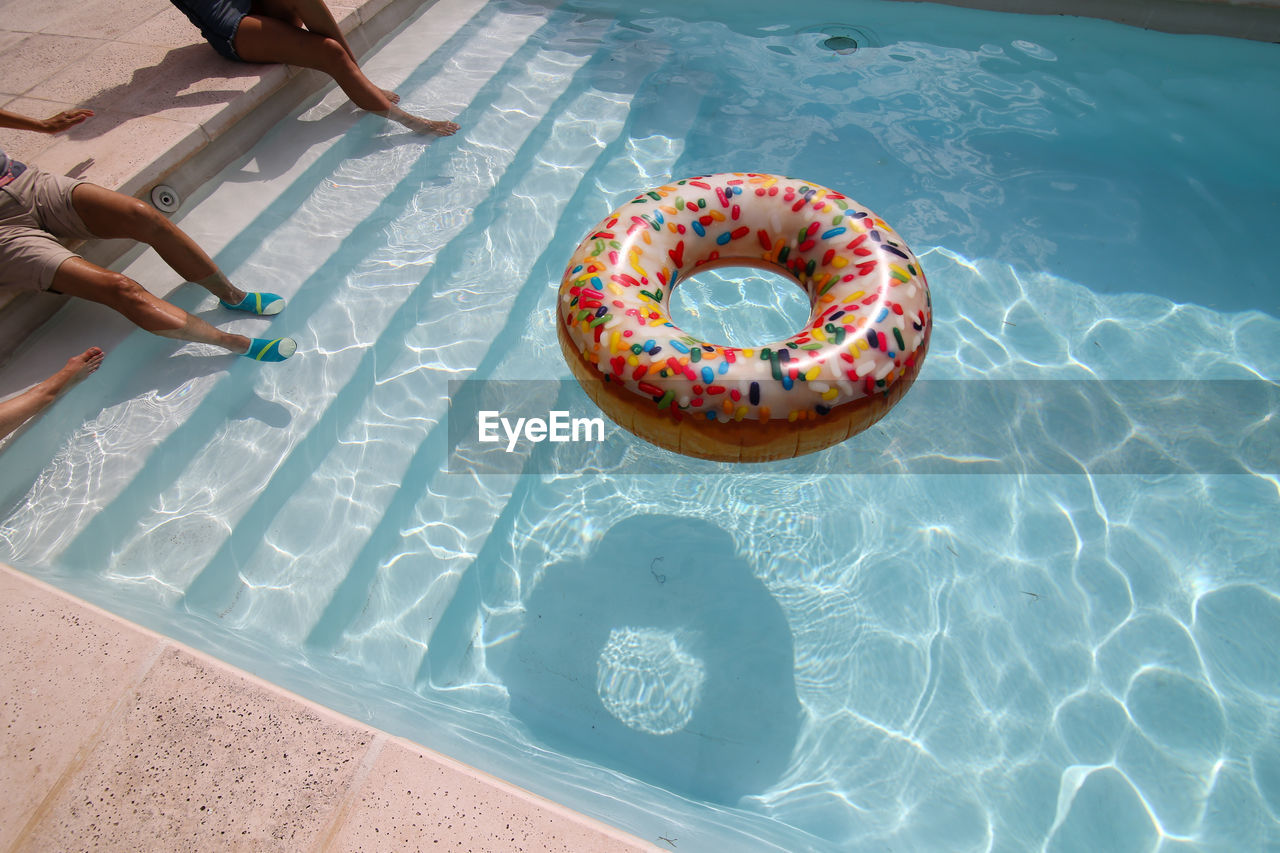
<point x="409" y="795"/>
<point x="201" y="759"/>
<point x="63" y="672"/>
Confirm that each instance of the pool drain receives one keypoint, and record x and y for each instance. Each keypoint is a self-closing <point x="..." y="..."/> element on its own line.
<point x="842" y="39"/>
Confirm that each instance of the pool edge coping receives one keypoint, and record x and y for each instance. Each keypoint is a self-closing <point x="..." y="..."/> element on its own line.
<point x="1229" y="18"/>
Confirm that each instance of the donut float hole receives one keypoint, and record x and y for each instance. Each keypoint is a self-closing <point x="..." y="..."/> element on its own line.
<point x="739" y="306"/>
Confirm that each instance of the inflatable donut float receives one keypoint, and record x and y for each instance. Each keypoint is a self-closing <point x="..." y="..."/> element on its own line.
<point x="861" y="348"/>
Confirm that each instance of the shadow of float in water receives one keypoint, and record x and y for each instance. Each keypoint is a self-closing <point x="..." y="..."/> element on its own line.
<point x="660" y="655"/>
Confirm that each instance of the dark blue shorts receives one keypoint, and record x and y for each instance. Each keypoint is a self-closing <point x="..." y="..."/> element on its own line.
<point x="218" y="21"/>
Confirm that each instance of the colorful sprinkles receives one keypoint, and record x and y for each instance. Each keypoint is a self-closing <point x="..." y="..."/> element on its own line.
<point x="869" y="325"/>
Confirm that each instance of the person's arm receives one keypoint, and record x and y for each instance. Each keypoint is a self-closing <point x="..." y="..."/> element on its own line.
<point x="53" y="124"/>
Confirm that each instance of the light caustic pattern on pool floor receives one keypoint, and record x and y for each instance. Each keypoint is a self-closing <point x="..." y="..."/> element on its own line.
<point x="1072" y="650"/>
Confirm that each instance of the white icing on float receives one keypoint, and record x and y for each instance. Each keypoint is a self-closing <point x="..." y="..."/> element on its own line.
<point x="862" y="346"/>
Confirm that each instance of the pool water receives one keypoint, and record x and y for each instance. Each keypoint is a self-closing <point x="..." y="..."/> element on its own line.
<point x="929" y="637"/>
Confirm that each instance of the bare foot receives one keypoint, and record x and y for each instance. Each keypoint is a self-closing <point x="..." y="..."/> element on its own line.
<point x="420" y="125"/>
<point x="78" y="367"/>
<point x="390" y="95"/>
<point x="16" y="411"/>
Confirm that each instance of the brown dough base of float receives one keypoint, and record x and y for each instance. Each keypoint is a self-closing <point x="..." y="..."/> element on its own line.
<point x="732" y="441"/>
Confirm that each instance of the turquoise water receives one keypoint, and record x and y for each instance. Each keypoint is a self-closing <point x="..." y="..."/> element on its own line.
<point x="818" y="655"/>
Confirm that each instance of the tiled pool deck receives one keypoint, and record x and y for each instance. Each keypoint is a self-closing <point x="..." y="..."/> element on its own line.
<point x="117" y="738"/>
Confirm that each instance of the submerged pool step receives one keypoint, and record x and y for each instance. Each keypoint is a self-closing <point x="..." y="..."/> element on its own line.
<point x="387" y="610"/>
<point x="149" y="408"/>
<point x="404" y="587"/>
<point x="389" y="585"/>
<point x="343" y="478"/>
<point x="414" y="564"/>
<point x="235" y="426"/>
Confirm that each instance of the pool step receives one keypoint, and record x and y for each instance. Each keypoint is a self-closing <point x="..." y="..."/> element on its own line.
<point x="420" y="594"/>
<point x="389" y="584"/>
<point x="387" y="609"/>
<point x="138" y="421"/>
<point x="164" y="454"/>
<point x="441" y="331"/>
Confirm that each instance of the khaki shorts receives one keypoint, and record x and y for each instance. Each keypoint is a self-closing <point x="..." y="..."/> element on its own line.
<point x="35" y="212"/>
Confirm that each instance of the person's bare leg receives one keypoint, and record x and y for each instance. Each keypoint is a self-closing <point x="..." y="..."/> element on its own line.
<point x="78" y="277"/>
<point x="114" y="215"/>
<point x="16" y="411"/>
<point x="117" y="216"/>
<point x="315" y="16"/>
<point x="262" y="38"/>
<point x="312" y="14"/>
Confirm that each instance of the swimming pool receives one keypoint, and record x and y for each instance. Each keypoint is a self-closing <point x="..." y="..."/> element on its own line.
<point x="928" y="638"/>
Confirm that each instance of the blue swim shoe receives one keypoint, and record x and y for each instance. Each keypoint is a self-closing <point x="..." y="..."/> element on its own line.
<point x="257" y="303"/>
<point x="261" y="349"/>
